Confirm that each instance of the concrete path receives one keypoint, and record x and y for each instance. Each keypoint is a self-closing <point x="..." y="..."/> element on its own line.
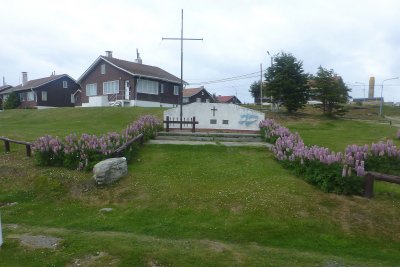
<point x="196" y="143"/>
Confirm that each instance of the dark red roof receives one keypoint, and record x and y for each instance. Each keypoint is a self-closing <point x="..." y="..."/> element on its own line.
<point x="224" y="99"/>
<point x="188" y="92"/>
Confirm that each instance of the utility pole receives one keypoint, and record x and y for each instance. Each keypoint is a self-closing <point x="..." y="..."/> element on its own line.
<point x="181" y="89"/>
<point x="261" y="96"/>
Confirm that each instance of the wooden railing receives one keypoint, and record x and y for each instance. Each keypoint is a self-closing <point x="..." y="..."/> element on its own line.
<point x="119" y="151"/>
<point x="188" y="121"/>
<point x="7" y="142"/>
<point x="370" y="178"/>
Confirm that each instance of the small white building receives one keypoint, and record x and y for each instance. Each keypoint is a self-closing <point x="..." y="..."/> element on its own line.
<point x="217" y="116"/>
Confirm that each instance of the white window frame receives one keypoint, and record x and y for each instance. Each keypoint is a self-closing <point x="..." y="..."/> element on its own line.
<point x="30" y="96"/>
<point x="22" y="97"/>
<point x="147" y="87"/>
<point x="103" y="69"/>
<point x="65" y="84"/>
<point x="72" y="99"/>
<point x="186" y="100"/>
<point x="44" y="96"/>
<point x="162" y="89"/>
<point x="111" y="87"/>
<point x="176" y="89"/>
<point x="91" y="89"/>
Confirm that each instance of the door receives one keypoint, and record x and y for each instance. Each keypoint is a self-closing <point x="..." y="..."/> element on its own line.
<point x="127" y="90"/>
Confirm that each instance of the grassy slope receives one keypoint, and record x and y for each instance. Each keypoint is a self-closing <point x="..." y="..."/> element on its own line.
<point x="241" y="209"/>
<point x="31" y="124"/>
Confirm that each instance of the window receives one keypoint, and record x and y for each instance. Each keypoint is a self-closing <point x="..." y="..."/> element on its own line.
<point x="176" y="90"/>
<point x="111" y="87"/>
<point x="225" y="121"/>
<point x="162" y="89"/>
<point x="103" y="69"/>
<point x="44" y="95"/>
<point x="65" y="84"/>
<point x="72" y="99"/>
<point x="147" y="87"/>
<point x="213" y="121"/>
<point x="22" y="97"/>
<point x="198" y="99"/>
<point x="207" y="100"/>
<point x="30" y="96"/>
<point x="91" y="89"/>
<point x="186" y="100"/>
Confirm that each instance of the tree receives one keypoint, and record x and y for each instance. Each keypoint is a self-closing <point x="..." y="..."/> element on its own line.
<point x="12" y="101"/>
<point x="255" y="91"/>
<point x="287" y="82"/>
<point x="331" y="91"/>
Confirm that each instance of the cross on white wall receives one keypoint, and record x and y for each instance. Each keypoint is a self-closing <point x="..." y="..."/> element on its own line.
<point x="213" y="110"/>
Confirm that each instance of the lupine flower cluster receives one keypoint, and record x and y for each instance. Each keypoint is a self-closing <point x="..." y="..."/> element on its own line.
<point x="82" y="152"/>
<point x="291" y="147"/>
<point x="398" y="134"/>
<point x="148" y="125"/>
<point x="330" y="171"/>
<point x="272" y="131"/>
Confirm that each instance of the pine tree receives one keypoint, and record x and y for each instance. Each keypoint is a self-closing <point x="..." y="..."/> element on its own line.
<point x="331" y="91"/>
<point x="287" y="82"/>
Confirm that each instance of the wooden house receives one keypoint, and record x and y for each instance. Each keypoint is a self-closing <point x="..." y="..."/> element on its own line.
<point x="53" y="91"/>
<point x="199" y="95"/>
<point x="112" y="81"/>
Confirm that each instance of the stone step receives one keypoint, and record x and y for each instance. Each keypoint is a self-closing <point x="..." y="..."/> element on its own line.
<point x="214" y="138"/>
<point x="209" y="134"/>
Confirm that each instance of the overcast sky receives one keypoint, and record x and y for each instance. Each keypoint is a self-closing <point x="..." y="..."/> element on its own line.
<point x="356" y="38"/>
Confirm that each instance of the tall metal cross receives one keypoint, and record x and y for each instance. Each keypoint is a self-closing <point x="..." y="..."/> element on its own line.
<point x="213" y="110"/>
<point x="181" y="89"/>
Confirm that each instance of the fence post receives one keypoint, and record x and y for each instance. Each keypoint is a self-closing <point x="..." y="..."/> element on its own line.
<point x="369" y="186"/>
<point x="6" y="146"/>
<point x="193" y="124"/>
<point x="28" y="150"/>
<point x="167" y="123"/>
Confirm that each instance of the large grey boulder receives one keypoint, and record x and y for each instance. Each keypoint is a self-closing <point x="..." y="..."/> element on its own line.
<point x="110" y="170"/>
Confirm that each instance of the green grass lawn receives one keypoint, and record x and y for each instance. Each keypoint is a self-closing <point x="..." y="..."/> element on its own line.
<point x="30" y="124"/>
<point x="190" y="205"/>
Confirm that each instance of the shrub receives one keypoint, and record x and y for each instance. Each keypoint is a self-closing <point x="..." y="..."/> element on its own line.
<point x="84" y="152"/>
<point x="330" y="171"/>
<point x="12" y="101"/>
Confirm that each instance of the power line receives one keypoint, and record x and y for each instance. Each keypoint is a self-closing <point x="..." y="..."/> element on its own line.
<point x="234" y="78"/>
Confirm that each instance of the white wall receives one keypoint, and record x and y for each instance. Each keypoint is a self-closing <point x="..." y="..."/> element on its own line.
<point x="97" y="101"/>
<point x="238" y="118"/>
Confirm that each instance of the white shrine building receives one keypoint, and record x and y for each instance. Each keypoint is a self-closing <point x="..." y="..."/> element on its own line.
<point x="217" y="116"/>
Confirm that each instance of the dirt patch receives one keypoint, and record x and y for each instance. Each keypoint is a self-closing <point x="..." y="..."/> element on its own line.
<point x="39" y="241"/>
<point x="215" y="246"/>
<point x="97" y="259"/>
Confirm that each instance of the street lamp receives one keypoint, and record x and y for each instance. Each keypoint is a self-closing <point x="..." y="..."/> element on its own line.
<point x="363" y="89"/>
<point x="380" y="108"/>
<point x="272" y="108"/>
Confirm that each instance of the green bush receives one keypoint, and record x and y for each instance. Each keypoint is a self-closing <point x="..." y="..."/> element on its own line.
<point x="12" y="101"/>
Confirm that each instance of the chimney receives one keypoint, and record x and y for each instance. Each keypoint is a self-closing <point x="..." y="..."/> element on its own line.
<point x="24" y="78"/>
<point x="371" y="87"/>
<point x="138" y="59"/>
<point x="109" y="54"/>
